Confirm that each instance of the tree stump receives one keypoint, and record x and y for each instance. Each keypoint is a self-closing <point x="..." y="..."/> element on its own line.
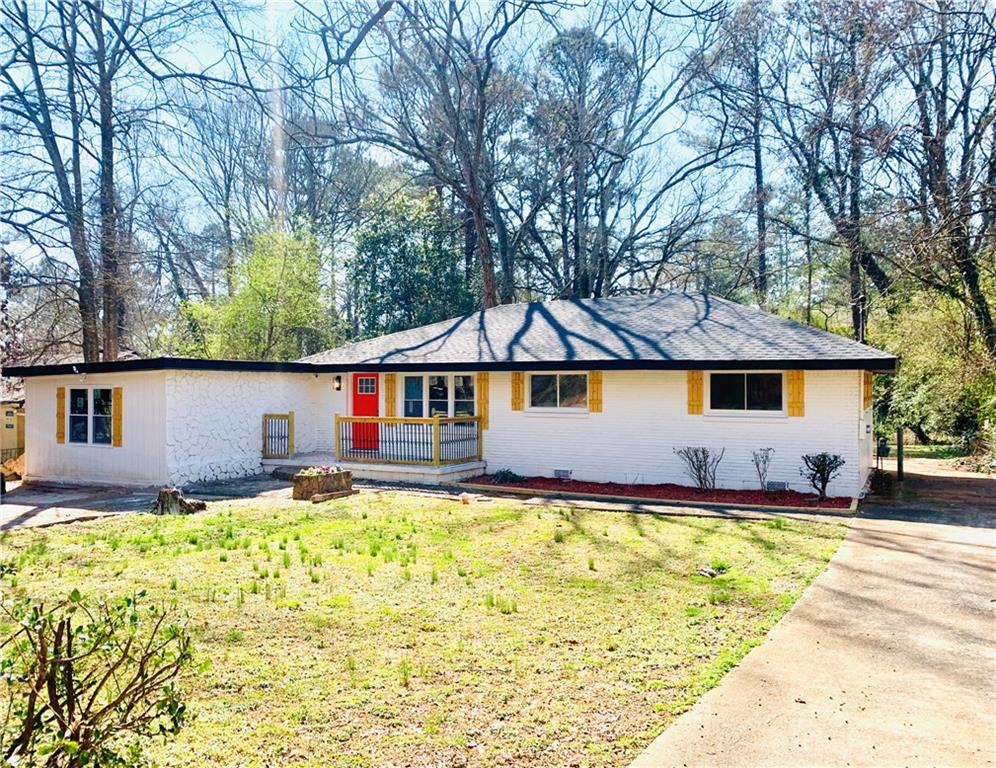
<point x="170" y="501"/>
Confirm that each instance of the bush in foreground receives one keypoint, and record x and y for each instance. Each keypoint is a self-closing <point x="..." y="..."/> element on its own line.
<point x="83" y="683"/>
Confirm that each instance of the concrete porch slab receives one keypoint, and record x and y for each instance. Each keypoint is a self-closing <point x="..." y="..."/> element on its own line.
<point x="395" y="473"/>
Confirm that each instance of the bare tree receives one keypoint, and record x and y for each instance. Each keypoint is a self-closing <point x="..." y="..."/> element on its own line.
<point x="943" y="154"/>
<point x="831" y="78"/>
<point x="734" y="102"/>
<point x="79" y="76"/>
<point x="610" y="139"/>
<point x="443" y="100"/>
<point x="48" y="121"/>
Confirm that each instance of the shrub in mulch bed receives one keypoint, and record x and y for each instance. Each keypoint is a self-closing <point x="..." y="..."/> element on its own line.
<point x="672" y="492"/>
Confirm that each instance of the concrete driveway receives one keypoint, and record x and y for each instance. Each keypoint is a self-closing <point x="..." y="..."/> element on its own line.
<point x="35" y="505"/>
<point x="38" y="505"/>
<point x="888" y="659"/>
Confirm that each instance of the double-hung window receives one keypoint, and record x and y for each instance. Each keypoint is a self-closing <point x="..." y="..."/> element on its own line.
<point x="745" y="392"/>
<point x="558" y="390"/>
<point x="463" y="395"/>
<point x="90" y="415"/>
<point x="438" y="395"/>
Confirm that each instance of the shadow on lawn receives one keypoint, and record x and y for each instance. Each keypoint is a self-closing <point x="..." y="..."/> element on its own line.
<point x="783" y="552"/>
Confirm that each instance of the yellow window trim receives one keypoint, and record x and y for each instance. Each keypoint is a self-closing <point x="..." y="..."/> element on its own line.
<point x="695" y="397"/>
<point x="594" y="391"/>
<point x="117" y="415"/>
<point x="481" y="390"/>
<point x="517" y="390"/>
<point x="796" y="381"/>
<point x="390" y="395"/>
<point x="60" y="415"/>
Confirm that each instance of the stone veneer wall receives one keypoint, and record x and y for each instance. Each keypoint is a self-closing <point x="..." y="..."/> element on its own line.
<point x="214" y="420"/>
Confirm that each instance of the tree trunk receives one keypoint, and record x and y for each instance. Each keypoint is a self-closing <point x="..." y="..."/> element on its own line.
<point x="978" y="302"/>
<point x="921" y="436"/>
<point x="759" y="194"/>
<point x="170" y="501"/>
<point x="489" y="293"/>
<point x="858" y="309"/>
<point x="808" y="222"/>
<point x="506" y="286"/>
<point x="108" y="212"/>
<point x="469" y="247"/>
<point x="86" y="293"/>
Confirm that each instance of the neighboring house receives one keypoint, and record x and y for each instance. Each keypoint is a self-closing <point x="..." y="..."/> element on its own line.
<point x="603" y="389"/>
<point x="11" y="419"/>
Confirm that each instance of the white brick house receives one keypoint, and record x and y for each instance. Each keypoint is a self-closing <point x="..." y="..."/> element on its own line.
<point x="606" y="389"/>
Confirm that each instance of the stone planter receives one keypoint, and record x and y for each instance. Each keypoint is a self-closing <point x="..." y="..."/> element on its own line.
<point x="308" y="485"/>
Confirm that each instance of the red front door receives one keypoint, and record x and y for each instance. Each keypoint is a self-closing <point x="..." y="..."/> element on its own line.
<point x="366" y="400"/>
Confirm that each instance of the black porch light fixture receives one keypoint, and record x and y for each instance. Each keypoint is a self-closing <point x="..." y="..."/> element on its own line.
<point x="337" y="383"/>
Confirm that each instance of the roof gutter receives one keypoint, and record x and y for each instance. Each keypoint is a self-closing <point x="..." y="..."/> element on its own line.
<point x="881" y="364"/>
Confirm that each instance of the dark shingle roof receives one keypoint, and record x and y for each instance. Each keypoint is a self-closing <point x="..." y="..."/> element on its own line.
<point x="672" y="330"/>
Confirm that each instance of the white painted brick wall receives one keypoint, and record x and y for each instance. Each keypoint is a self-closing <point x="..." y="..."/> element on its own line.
<point x="645" y="417"/>
<point x="210" y="424"/>
<point x="141" y="459"/>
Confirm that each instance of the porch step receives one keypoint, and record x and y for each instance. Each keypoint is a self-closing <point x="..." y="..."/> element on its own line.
<point x="285" y="473"/>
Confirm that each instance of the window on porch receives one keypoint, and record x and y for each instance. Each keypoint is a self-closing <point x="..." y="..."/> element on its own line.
<point x="439" y="394"/>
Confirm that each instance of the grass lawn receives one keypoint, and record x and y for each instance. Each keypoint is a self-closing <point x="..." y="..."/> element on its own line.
<point x="939" y="451"/>
<point x="411" y="631"/>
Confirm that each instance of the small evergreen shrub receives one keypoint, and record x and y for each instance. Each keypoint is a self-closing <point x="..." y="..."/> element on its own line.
<point x="506" y="477"/>
<point x="820" y="468"/>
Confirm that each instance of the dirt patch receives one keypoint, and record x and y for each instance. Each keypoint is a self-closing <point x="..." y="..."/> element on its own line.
<point x="983" y="464"/>
<point x="670" y="492"/>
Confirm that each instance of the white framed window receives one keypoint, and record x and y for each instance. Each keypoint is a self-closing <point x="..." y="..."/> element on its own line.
<point x="742" y="392"/>
<point x="558" y="391"/>
<point x="435" y="394"/>
<point x="366" y="385"/>
<point x="90" y="414"/>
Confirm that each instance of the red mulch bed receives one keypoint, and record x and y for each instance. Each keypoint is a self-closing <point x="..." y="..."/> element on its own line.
<point x="671" y="492"/>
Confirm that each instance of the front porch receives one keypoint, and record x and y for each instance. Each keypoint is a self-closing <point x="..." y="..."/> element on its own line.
<point x="419" y="450"/>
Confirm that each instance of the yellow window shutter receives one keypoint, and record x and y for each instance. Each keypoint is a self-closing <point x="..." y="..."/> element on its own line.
<point x="517" y="386"/>
<point x="796" y="392"/>
<point x="869" y="390"/>
<point x="595" y="391"/>
<point x="60" y="414"/>
<point x="695" y="392"/>
<point x="482" y="398"/>
<point x="390" y="395"/>
<point x="117" y="414"/>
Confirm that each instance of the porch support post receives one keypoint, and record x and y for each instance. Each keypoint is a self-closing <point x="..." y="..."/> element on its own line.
<point x="337" y="437"/>
<point x="290" y="434"/>
<point x="436" y="441"/>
